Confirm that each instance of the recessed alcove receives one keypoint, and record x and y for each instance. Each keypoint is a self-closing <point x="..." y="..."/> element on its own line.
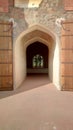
<point x="37" y="41"/>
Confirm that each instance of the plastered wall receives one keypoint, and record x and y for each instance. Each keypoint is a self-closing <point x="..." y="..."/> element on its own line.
<point x="28" y="37"/>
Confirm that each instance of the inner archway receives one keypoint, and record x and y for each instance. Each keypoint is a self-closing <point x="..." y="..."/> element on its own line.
<point x="37" y="57"/>
<point x="47" y="38"/>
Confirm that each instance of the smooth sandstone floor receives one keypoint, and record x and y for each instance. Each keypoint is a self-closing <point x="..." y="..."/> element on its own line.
<point x="36" y="105"/>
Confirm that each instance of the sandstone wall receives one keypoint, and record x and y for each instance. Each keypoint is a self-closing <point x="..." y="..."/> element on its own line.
<point x="45" y="15"/>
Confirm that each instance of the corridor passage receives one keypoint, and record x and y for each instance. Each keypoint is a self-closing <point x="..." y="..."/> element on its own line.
<point x="36" y="105"/>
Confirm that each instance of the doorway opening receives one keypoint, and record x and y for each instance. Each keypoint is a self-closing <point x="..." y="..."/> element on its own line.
<point x="37" y="48"/>
<point x="37" y="58"/>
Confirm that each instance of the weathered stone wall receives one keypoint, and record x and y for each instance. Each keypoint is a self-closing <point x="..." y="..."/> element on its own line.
<point x="46" y="15"/>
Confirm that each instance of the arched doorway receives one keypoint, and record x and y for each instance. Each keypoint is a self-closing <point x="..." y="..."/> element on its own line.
<point x="32" y="35"/>
<point x="37" y="58"/>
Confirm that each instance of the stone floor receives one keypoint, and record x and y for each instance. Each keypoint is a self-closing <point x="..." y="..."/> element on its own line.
<point x="36" y="105"/>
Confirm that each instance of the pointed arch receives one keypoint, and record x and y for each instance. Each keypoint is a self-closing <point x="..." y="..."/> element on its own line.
<point x="31" y="35"/>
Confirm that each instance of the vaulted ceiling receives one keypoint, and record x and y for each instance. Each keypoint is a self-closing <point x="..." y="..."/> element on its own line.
<point x="27" y="3"/>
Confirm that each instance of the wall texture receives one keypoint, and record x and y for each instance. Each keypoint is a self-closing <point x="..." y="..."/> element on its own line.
<point x="46" y="16"/>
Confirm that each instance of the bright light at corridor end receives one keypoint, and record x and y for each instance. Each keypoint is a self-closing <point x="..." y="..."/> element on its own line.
<point x="27" y="3"/>
<point x="34" y="3"/>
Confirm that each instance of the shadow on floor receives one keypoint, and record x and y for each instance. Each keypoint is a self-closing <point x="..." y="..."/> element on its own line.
<point x="31" y="82"/>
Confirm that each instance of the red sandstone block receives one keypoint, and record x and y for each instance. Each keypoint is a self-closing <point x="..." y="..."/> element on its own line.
<point x="4" y="5"/>
<point x="68" y="4"/>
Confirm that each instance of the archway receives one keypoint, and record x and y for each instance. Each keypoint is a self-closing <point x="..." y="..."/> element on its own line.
<point x="37" y="58"/>
<point x="32" y="35"/>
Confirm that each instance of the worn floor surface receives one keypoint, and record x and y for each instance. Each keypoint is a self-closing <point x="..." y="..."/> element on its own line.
<point x="36" y="105"/>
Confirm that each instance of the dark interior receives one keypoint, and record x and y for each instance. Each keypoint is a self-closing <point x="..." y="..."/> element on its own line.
<point x="34" y="49"/>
